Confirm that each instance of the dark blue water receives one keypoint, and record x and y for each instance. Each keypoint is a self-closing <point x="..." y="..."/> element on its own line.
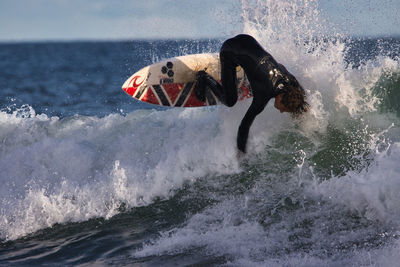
<point x="63" y="79"/>
<point x="93" y="177"/>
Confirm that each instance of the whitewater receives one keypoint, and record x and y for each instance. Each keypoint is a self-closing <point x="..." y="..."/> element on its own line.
<point x="92" y="177"/>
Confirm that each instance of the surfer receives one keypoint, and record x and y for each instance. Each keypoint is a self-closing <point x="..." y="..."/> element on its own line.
<point x="268" y="79"/>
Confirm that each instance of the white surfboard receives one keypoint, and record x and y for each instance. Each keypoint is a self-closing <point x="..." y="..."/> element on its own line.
<point x="170" y="82"/>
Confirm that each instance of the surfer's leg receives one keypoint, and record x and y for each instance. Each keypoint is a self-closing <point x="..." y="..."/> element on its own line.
<point x="228" y="77"/>
<point x="226" y="93"/>
<point x="200" y="87"/>
<point x="205" y="82"/>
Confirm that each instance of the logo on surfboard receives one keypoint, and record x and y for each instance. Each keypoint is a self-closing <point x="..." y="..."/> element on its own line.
<point x="134" y="82"/>
<point x="167" y="69"/>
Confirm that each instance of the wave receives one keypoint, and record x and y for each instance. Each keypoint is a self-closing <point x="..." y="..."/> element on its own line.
<point x="308" y="189"/>
<point x="82" y="167"/>
<point x="77" y="168"/>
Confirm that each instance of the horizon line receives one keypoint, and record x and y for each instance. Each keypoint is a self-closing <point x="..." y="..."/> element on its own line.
<point x="76" y="40"/>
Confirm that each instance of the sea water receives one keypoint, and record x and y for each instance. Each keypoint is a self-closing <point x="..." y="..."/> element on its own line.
<point x="90" y="176"/>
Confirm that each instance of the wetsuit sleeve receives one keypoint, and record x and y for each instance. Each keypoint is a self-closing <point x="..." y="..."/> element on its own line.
<point x="255" y="108"/>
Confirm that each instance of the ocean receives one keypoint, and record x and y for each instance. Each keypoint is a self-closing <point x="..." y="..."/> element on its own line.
<point x="91" y="177"/>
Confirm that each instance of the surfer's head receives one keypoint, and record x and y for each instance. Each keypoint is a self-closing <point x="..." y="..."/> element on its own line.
<point x="292" y="99"/>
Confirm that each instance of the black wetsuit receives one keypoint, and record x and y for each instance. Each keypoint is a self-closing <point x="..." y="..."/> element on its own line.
<point x="266" y="76"/>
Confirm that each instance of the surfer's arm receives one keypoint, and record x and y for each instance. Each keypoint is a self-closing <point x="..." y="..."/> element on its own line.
<point x="255" y="108"/>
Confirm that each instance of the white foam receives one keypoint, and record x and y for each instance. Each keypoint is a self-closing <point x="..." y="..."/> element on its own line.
<point x="77" y="168"/>
<point x="373" y="192"/>
<point x="246" y="230"/>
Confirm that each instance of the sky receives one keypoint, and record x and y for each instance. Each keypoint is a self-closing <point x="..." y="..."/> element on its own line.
<point x="27" y="20"/>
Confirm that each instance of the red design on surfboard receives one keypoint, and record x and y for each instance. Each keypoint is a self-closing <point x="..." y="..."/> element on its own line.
<point x="172" y="90"/>
<point x="133" y="85"/>
<point x="130" y="90"/>
<point x="192" y="101"/>
<point x="133" y="81"/>
<point x="150" y="97"/>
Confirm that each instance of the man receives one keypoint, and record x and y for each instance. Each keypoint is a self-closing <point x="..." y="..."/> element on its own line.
<point x="268" y="79"/>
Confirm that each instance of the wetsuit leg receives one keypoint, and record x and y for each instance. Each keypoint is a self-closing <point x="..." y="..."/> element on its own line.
<point x="228" y="77"/>
<point x="205" y="82"/>
<point x="226" y="92"/>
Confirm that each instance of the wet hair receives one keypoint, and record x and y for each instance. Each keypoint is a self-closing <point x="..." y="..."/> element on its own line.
<point x="294" y="100"/>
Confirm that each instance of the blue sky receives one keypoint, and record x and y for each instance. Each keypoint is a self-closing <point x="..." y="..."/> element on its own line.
<point x="143" y="19"/>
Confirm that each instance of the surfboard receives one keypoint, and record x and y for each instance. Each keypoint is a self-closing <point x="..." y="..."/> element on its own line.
<point x="171" y="82"/>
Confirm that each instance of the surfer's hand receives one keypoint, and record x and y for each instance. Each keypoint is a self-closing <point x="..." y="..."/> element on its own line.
<point x="240" y="154"/>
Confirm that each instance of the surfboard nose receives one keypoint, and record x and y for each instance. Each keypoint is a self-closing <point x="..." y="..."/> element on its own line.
<point x="132" y="84"/>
